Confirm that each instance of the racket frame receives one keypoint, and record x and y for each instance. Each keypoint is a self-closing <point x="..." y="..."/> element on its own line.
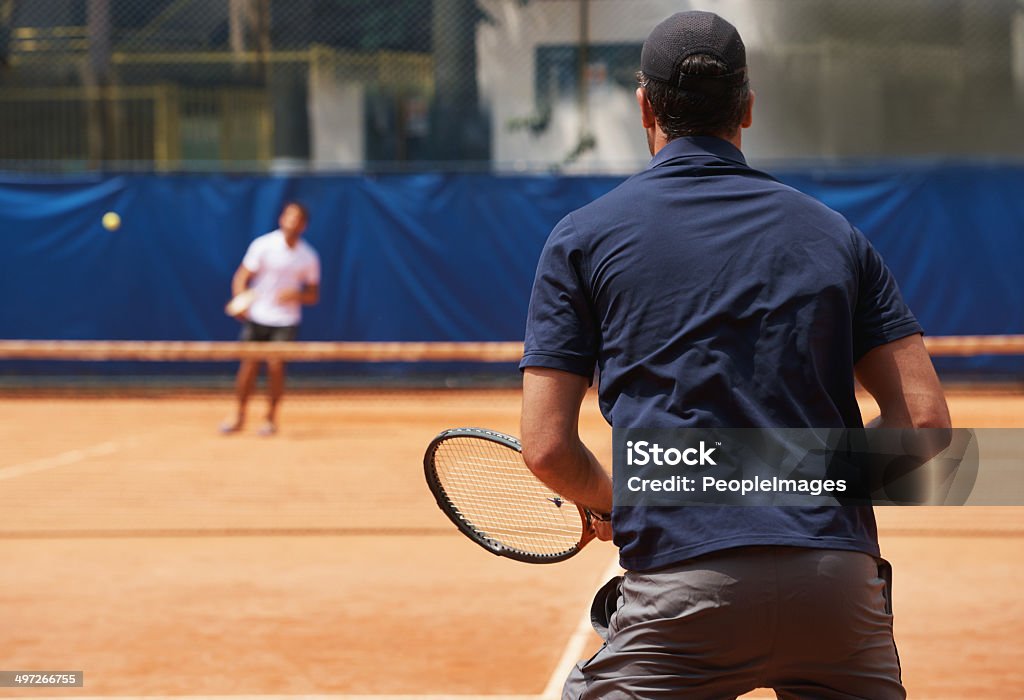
<point x="491" y="545"/>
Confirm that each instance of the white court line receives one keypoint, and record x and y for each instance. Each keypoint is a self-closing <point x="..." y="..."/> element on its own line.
<point x="577" y="642"/>
<point x="61" y="460"/>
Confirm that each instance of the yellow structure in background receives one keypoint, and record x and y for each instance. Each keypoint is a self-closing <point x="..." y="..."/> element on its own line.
<point x="165" y="125"/>
<point x="150" y="124"/>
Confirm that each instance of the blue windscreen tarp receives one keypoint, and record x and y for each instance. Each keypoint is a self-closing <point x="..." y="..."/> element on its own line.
<point x="439" y="256"/>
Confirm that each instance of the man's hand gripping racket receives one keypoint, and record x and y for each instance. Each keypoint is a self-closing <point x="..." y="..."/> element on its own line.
<point x="482" y="484"/>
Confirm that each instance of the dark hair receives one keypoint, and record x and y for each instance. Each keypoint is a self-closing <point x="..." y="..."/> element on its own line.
<point x="682" y="112"/>
<point x="301" y="207"/>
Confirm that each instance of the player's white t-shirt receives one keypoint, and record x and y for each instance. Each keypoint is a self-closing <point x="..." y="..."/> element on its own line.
<point x="276" y="268"/>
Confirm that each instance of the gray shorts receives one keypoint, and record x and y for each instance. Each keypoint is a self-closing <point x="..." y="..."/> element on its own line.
<point x="809" y="623"/>
<point x="257" y="332"/>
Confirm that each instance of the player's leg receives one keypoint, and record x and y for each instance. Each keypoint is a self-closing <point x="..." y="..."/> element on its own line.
<point x="699" y="629"/>
<point x="275" y="388"/>
<point x="245" y="380"/>
<point x="276" y="377"/>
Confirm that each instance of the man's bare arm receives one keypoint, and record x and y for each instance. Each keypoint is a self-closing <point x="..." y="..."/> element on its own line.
<point x="240" y="282"/>
<point x="308" y="295"/>
<point x="901" y="378"/>
<point x="551" y="443"/>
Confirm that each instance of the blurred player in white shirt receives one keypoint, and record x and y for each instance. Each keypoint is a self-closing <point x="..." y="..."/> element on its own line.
<point x="284" y="272"/>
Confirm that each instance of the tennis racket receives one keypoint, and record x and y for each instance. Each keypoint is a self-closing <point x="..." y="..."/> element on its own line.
<point x="482" y="484"/>
<point x="240" y="303"/>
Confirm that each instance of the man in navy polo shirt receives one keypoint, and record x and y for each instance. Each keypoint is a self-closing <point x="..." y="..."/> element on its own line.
<point x="709" y="295"/>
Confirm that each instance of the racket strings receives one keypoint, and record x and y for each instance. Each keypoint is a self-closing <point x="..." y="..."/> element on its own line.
<point x="492" y="489"/>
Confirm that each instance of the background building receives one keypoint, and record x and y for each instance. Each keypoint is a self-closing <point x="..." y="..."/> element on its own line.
<point x="503" y="84"/>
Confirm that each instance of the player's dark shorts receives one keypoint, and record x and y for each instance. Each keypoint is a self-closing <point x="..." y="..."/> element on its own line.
<point x="257" y="332"/>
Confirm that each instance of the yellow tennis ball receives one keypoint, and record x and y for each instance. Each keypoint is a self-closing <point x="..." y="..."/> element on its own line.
<point x="111" y="221"/>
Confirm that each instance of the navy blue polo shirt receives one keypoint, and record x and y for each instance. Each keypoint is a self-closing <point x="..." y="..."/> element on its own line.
<point x="709" y="295"/>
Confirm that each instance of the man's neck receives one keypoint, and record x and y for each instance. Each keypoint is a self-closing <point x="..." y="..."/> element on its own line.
<point x="660" y="140"/>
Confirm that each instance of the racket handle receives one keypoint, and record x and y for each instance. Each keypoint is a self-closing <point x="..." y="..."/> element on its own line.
<point x="590" y="518"/>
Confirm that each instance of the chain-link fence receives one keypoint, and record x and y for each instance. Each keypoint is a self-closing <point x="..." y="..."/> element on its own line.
<point x="485" y="84"/>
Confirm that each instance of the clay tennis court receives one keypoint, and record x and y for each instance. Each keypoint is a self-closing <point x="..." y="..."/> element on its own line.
<point x="162" y="559"/>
